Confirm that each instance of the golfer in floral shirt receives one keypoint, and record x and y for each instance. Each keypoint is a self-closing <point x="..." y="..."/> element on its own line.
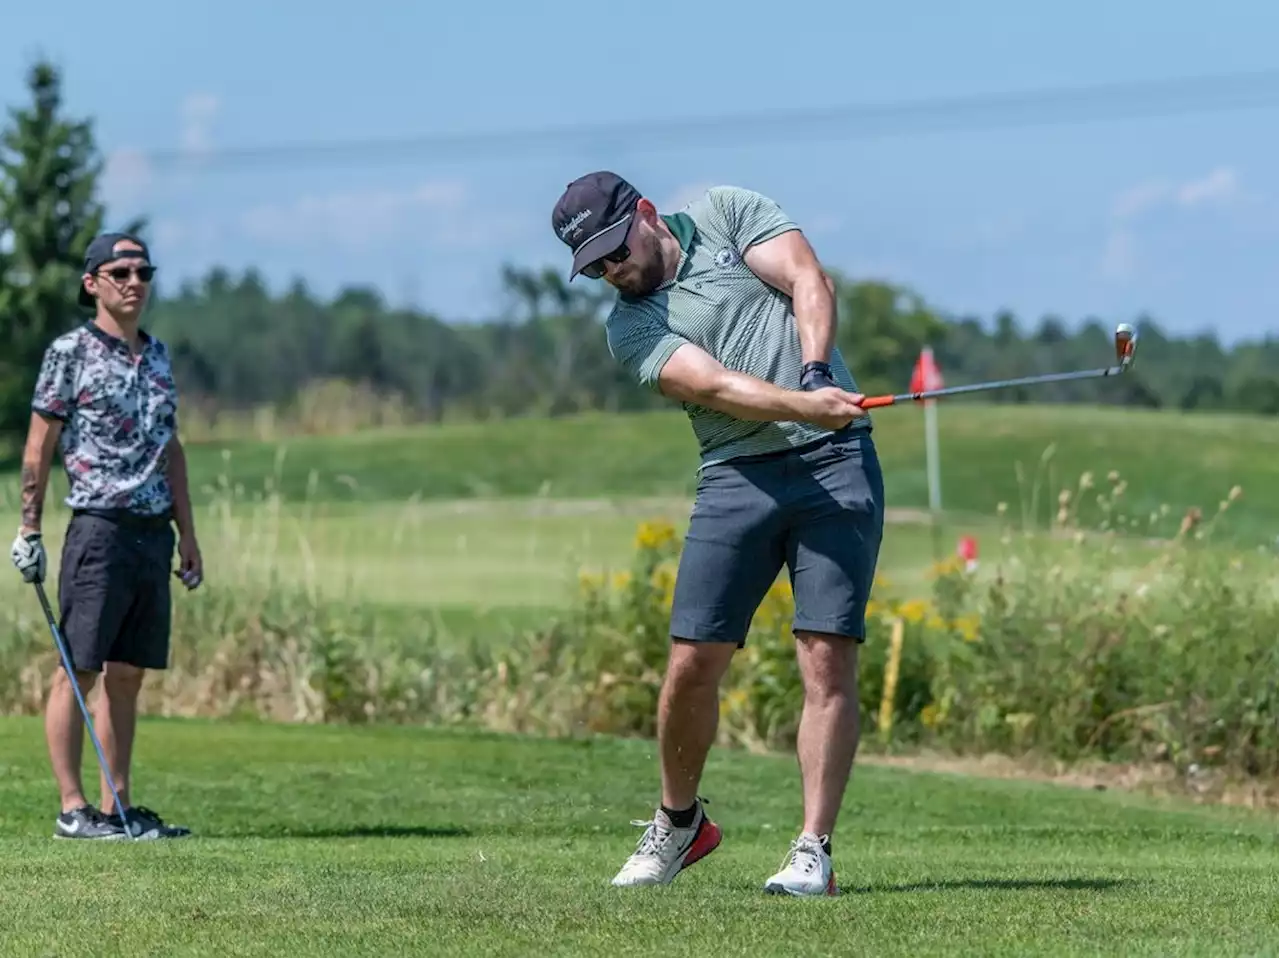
<point x="105" y="399"/>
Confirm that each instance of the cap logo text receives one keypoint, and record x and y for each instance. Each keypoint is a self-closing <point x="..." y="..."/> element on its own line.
<point x="574" y="223"/>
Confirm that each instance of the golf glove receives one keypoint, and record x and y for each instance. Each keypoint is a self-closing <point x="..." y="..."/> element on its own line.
<point x="816" y="375"/>
<point x="29" y="556"/>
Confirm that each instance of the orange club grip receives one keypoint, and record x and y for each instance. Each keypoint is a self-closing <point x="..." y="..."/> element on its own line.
<point x="874" y="402"/>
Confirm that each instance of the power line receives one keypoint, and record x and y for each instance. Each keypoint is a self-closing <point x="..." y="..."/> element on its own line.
<point x="977" y="113"/>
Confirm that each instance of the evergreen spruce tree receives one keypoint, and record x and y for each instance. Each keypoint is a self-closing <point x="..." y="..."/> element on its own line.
<point x="49" y="169"/>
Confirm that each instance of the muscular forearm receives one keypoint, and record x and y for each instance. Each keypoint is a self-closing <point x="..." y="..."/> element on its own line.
<point x="746" y="397"/>
<point x="814" y="304"/>
<point x="177" y="474"/>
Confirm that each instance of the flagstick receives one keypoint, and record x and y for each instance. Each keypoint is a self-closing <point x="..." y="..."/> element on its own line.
<point x="928" y="376"/>
<point x="934" y="470"/>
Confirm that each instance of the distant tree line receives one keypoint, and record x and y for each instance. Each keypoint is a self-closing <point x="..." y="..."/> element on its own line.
<point x="237" y="344"/>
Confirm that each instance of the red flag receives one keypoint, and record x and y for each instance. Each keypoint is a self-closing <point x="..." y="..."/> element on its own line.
<point x="926" y="374"/>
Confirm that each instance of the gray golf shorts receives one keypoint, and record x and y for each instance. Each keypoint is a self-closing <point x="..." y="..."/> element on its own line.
<point x="113" y="591"/>
<point x="817" y="509"/>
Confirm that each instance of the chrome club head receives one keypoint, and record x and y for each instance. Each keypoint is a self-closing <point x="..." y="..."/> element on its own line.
<point x="1126" y="342"/>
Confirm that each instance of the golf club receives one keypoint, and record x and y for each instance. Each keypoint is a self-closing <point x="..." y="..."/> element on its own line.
<point x="1126" y="341"/>
<point x="84" y="709"/>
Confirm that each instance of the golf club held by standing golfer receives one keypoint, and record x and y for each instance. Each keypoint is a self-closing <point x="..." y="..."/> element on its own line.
<point x="129" y="828"/>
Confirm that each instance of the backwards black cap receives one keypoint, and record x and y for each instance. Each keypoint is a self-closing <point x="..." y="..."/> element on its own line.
<point x="593" y="215"/>
<point x="103" y="250"/>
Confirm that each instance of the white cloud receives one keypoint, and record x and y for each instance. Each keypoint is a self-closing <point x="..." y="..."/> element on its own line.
<point x="357" y="218"/>
<point x="126" y="177"/>
<point x="198" y="113"/>
<point x="1215" y="189"/>
<point x="1219" y="186"/>
<point x="1138" y="199"/>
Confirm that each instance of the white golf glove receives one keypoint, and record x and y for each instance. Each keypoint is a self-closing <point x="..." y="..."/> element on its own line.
<point x="29" y="556"/>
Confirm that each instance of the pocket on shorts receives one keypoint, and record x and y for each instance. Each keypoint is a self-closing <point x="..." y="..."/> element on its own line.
<point x="847" y="471"/>
<point x="90" y="545"/>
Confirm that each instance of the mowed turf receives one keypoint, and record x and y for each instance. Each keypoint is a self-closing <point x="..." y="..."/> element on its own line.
<point x="341" y="841"/>
<point x="989" y="454"/>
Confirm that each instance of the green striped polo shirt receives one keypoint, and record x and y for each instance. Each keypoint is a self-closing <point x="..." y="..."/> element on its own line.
<point x="717" y="303"/>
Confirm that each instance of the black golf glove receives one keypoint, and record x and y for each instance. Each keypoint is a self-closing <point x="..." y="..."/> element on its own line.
<point x="816" y="375"/>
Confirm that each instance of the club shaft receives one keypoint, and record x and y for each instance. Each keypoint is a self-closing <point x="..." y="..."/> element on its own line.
<point x="874" y="401"/>
<point x="84" y="709"/>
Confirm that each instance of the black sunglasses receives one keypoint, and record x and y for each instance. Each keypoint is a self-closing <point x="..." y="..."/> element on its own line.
<point x="595" y="269"/>
<point x="121" y="273"/>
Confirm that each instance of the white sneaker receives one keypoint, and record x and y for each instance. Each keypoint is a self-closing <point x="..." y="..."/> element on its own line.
<point x="663" y="850"/>
<point x="807" y="869"/>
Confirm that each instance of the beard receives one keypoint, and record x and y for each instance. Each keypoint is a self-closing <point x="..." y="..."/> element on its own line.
<point x="645" y="272"/>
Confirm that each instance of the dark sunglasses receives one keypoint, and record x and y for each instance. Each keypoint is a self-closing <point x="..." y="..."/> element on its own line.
<point x="121" y="273"/>
<point x="595" y="270"/>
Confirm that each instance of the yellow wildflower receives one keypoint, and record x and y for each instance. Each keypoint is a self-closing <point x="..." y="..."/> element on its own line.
<point x="947" y="566"/>
<point x="914" y="610"/>
<point x="734" y="701"/>
<point x="655" y="535"/>
<point x="967" y="626"/>
<point x="663" y="581"/>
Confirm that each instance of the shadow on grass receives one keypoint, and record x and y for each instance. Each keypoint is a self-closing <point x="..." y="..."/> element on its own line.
<point x="998" y="884"/>
<point x="353" y="831"/>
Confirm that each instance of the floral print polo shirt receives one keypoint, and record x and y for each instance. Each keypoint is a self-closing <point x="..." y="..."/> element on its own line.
<point x="119" y="412"/>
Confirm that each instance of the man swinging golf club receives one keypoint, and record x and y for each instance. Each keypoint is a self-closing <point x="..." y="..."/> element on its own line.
<point x="724" y="307"/>
<point x="105" y="395"/>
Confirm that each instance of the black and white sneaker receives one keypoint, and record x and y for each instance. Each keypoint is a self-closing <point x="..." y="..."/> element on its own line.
<point x="146" y="824"/>
<point x="87" y="822"/>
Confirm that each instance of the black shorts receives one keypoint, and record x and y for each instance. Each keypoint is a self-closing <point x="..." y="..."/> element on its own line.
<point x="113" y="591"/>
<point x="818" y="509"/>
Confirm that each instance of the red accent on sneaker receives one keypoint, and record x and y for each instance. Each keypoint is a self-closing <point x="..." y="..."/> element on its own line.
<point x="704" y="843"/>
<point x="831" y="883"/>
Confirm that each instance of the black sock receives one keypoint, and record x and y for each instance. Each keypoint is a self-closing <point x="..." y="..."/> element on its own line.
<point x="826" y="847"/>
<point x="683" y="818"/>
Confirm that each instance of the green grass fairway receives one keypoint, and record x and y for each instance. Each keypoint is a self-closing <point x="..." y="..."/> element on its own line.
<point x="339" y="841"/>
<point x="1165" y="458"/>
<point x="500" y="554"/>
<point x="485" y="526"/>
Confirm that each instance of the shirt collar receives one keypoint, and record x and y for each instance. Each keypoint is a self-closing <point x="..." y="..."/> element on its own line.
<point x="685" y="230"/>
<point x="115" y="342"/>
<point x="683" y="226"/>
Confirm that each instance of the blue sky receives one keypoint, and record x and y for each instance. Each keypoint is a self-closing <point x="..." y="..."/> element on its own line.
<point x="1173" y="216"/>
